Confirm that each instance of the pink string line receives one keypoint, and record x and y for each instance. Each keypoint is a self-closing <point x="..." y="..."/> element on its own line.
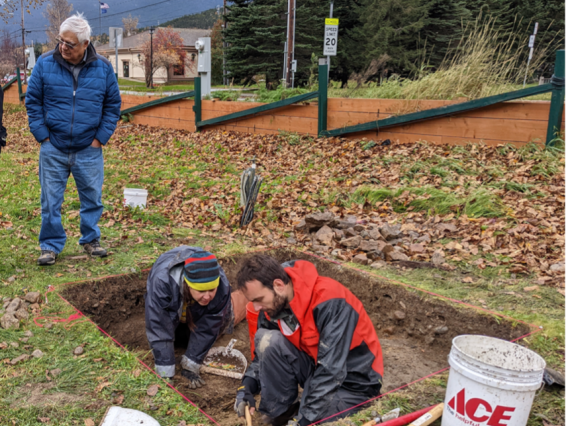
<point x="535" y="330"/>
<point x="140" y="361"/>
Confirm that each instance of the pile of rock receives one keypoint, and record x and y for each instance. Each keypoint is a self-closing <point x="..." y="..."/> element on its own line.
<point x="16" y="309"/>
<point x="366" y="242"/>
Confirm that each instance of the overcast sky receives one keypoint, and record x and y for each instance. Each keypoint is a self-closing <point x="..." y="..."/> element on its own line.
<point x="149" y="12"/>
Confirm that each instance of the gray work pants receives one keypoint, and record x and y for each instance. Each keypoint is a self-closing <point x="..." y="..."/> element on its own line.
<point x="282" y="368"/>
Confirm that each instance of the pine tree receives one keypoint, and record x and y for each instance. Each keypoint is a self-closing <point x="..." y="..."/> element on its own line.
<point x="393" y="27"/>
<point x="255" y="36"/>
<point x="443" y="28"/>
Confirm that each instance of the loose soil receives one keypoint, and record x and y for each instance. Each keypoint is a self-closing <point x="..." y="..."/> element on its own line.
<point x="415" y="340"/>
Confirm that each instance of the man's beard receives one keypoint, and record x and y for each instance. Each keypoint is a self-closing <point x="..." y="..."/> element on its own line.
<point x="280" y="303"/>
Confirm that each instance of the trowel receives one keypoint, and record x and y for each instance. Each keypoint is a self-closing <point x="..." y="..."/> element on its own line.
<point x="118" y="416"/>
<point x="225" y="361"/>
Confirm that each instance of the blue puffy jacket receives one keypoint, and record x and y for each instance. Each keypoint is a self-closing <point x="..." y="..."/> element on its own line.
<point x="73" y="112"/>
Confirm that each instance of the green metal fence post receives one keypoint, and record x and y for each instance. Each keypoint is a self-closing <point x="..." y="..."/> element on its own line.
<point x="322" y="96"/>
<point x="19" y="84"/>
<point x="557" y="100"/>
<point x="197" y="105"/>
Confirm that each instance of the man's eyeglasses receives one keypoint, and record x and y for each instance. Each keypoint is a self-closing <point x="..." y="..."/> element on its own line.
<point x="66" y="44"/>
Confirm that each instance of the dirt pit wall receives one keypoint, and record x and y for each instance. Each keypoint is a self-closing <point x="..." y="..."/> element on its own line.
<point x="415" y="329"/>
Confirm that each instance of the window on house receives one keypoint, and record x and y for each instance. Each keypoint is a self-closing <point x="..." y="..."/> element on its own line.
<point x="179" y="69"/>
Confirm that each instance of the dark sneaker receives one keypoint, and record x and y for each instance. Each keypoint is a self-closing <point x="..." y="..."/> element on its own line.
<point x="47" y="258"/>
<point x="94" y="249"/>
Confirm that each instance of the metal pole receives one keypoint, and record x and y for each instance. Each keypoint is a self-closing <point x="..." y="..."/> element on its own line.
<point x="23" y="42"/>
<point x="100" y="24"/>
<point x="531" y="45"/>
<point x="151" y="58"/>
<point x="557" y="99"/>
<point x="197" y="101"/>
<point x="285" y="67"/>
<point x="329" y="57"/>
<point x="289" y="38"/>
<point x="116" y="51"/>
<point x="293" y="41"/>
<point x="322" y="96"/>
<point x="225" y="79"/>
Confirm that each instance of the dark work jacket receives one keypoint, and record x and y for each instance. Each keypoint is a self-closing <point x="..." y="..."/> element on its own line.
<point x="164" y="303"/>
<point x="336" y="332"/>
<point x="73" y="112"/>
<point x="2" y="128"/>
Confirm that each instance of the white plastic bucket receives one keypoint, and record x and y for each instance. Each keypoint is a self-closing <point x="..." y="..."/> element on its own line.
<point x="492" y="382"/>
<point x="135" y="197"/>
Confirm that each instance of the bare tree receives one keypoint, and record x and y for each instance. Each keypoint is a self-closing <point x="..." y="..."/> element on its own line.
<point x="9" y="7"/>
<point x="130" y="25"/>
<point x="8" y="53"/>
<point x="57" y="11"/>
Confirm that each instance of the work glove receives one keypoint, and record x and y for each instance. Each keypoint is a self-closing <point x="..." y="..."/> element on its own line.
<point x="245" y="399"/>
<point x="299" y="420"/>
<point x="195" y="381"/>
<point x="190" y="370"/>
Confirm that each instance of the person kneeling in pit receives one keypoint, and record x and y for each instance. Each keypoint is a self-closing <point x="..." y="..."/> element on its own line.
<point x="313" y="332"/>
<point x="188" y="299"/>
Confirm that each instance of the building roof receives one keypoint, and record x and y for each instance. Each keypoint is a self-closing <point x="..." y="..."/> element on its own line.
<point x="189" y="36"/>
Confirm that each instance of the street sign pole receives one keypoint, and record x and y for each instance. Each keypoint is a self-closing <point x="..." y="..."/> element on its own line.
<point x="330" y="39"/>
<point x="329" y="57"/>
<point x="531" y="46"/>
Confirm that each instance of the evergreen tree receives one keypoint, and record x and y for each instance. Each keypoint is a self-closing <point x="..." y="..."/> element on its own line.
<point x="393" y="27"/>
<point x="443" y="28"/>
<point x="255" y="35"/>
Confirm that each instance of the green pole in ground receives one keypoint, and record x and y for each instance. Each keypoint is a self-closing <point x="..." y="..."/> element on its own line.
<point x="19" y="84"/>
<point x="322" y="96"/>
<point x="557" y="100"/>
<point x="197" y="98"/>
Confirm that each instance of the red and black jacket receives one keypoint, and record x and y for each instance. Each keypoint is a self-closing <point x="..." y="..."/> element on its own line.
<point x="336" y="332"/>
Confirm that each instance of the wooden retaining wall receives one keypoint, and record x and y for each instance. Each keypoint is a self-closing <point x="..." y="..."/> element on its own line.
<point x="515" y="122"/>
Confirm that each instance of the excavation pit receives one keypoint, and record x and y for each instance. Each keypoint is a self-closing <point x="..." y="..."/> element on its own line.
<point x="414" y="328"/>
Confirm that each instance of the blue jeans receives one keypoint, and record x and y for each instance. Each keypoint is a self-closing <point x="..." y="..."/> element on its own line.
<point x="55" y="166"/>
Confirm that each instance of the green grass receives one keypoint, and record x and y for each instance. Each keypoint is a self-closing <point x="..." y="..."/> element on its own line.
<point x="303" y="177"/>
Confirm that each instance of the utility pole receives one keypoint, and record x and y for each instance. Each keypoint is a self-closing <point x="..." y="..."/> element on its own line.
<point x="100" y="24"/>
<point x="290" y="42"/>
<point x="23" y="42"/>
<point x="225" y="78"/>
<point x="151" y="57"/>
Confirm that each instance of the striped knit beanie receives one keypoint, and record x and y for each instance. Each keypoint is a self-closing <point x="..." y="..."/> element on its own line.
<point x="201" y="271"/>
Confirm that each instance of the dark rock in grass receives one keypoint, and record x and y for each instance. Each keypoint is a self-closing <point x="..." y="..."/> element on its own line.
<point x="14" y="305"/>
<point x="390" y="232"/>
<point x="350" y="232"/>
<point x="361" y="259"/>
<point x="23" y="357"/>
<point x="348" y="222"/>
<point x="78" y="350"/>
<point x="8" y="321"/>
<point x="396" y="255"/>
<point x="375" y="255"/>
<point x="12" y="279"/>
<point x="338" y="234"/>
<point x="22" y="314"/>
<point x="325" y="235"/>
<point x="33" y="297"/>
<point x="369" y="245"/>
<point x="352" y="242"/>
<point x="37" y="353"/>
<point x="317" y="220"/>
<point x="55" y="372"/>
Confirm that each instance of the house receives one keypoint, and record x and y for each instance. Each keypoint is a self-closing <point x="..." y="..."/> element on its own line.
<point x="130" y="61"/>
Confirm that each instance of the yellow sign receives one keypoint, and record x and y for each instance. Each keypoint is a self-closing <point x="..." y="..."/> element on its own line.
<point x="331" y="21"/>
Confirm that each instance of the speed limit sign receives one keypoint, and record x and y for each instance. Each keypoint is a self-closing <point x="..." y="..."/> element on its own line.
<point x="330" y="37"/>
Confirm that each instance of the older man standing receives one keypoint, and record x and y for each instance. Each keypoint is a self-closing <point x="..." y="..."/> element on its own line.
<point x="73" y="104"/>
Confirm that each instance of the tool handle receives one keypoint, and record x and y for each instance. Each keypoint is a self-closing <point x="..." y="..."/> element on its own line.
<point x="372" y="422"/>
<point x="407" y="418"/>
<point x="429" y="418"/>
<point x="247" y="416"/>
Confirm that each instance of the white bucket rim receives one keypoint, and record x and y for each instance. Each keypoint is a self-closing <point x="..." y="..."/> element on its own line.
<point x="518" y="352"/>
<point x="135" y="191"/>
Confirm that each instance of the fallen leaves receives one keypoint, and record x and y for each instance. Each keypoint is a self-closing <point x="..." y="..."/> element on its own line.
<point x="531" y="288"/>
<point x="152" y="390"/>
<point x="89" y="422"/>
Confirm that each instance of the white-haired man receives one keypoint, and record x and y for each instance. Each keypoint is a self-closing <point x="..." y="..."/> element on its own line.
<point x="73" y="104"/>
